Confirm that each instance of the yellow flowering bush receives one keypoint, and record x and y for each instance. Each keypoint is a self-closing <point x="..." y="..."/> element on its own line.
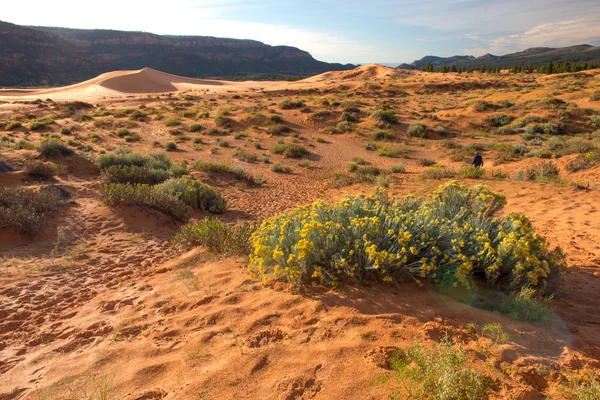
<point x="449" y="237"/>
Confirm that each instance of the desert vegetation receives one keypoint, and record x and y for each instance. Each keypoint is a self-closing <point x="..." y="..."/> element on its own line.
<point x="292" y="230"/>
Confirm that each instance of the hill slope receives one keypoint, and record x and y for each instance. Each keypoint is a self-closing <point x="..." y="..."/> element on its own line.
<point x="33" y="56"/>
<point x="534" y="56"/>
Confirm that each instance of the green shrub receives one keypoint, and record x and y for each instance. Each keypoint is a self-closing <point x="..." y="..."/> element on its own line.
<point x="274" y="119"/>
<point x="133" y="174"/>
<point x="195" y="127"/>
<point x="238" y="172"/>
<point x="399" y="169"/>
<point x="170" y="146"/>
<point x="288" y="104"/>
<point x="289" y="150"/>
<point x="245" y="156"/>
<point x="386" y="116"/>
<point x="595" y="121"/>
<point x="150" y="161"/>
<point x="344" y="126"/>
<point x="426" y="162"/>
<point x="230" y="240"/>
<point x="25" y="210"/>
<point x="417" y="130"/>
<point x="555" y="143"/>
<point x="346" y="116"/>
<point x="441" y="373"/>
<point x="41" y="170"/>
<point x="145" y="196"/>
<point x="392" y="151"/>
<point x="471" y="172"/>
<point x="499" y="120"/>
<point x="526" y="305"/>
<point x="40" y="124"/>
<point x="51" y="147"/>
<point x="376" y="238"/>
<point x="276" y="167"/>
<point x="438" y="172"/>
<point x="173" y="121"/>
<point x="13" y="125"/>
<point x="544" y="171"/>
<point x="195" y="194"/>
<point x="583" y="161"/>
<point x="278" y="129"/>
<point x="122" y="132"/>
<point x="383" y="135"/>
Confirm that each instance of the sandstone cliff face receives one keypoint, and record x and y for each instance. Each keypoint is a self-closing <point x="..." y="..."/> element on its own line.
<point x="33" y="56"/>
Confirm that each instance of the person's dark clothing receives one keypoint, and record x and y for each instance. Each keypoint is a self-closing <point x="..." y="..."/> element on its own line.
<point x="478" y="161"/>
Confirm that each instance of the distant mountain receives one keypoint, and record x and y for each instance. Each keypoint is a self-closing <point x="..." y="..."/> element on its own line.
<point x="534" y="56"/>
<point x="35" y="56"/>
<point x="436" y="61"/>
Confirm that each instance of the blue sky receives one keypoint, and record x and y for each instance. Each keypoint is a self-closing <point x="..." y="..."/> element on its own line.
<point x="355" y="31"/>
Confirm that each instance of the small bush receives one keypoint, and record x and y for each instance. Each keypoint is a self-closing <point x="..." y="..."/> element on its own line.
<point x="471" y="172"/>
<point x="438" y="172"/>
<point x="52" y="147"/>
<point x="13" y="125"/>
<point x="393" y="152"/>
<point x="376" y="238"/>
<point x="425" y="162"/>
<point x="245" y="156"/>
<point x="288" y="104"/>
<point x="195" y="127"/>
<point x="172" y="121"/>
<point x="383" y="135"/>
<point x="276" y="167"/>
<point x="195" y="194"/>
<point x="440" y="373"/>
<point x="595" y="121"/>
<point x="41" y="170"/>
<point x="145" y="196"/>
<point x="526" y="305"/>
<point x="150" y="161"/>
<point x="399" y="169"/>
<point x="544" y="171"/>
<point x="239" y="173"/>
<point x="25" y="209"/>
<point x="583" y="161"/>
<point x="289" y="150"/>
<point x="133" y="174"/>
<point x="230" y="240"/>
<point x="274" y="119"/>
<point x="123" y="132"/>
<point x="417" y="130"/>
<point x="170" y="146"/>
<point x="386" y="116"/>
<point x="344" y="126"/>
<point x="346" y="116"/>
<point x="278" y="129"/>
<point x="499" y="120"/>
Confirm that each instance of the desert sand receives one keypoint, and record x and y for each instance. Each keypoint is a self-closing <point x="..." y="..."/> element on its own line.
<point x="102" y="301"/>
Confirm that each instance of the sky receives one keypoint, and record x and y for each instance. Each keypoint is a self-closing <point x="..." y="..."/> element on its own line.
<point x="346" y="31"/>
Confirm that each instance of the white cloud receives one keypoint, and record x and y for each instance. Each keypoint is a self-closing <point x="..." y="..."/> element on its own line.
<point x="560" y="34"/>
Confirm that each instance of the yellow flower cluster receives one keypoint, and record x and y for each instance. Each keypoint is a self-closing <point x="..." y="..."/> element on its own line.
<point x="449" y="237"/>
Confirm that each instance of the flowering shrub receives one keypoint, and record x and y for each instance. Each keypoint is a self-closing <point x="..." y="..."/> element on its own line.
<point x="450" y="237"/>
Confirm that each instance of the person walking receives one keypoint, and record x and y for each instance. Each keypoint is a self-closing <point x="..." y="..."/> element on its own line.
<point x="477" y="161"/>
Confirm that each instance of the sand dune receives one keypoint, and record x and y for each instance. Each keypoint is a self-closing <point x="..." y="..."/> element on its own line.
<point x="118" y="84"/>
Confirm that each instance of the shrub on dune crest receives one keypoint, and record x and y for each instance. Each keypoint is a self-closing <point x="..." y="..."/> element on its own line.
<point x="194" y="193"/>
<point x="145" y="196"/>
<point x="24" y="209"/>
<point x="449" y="238"/>
<point x="211" y="232"/>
